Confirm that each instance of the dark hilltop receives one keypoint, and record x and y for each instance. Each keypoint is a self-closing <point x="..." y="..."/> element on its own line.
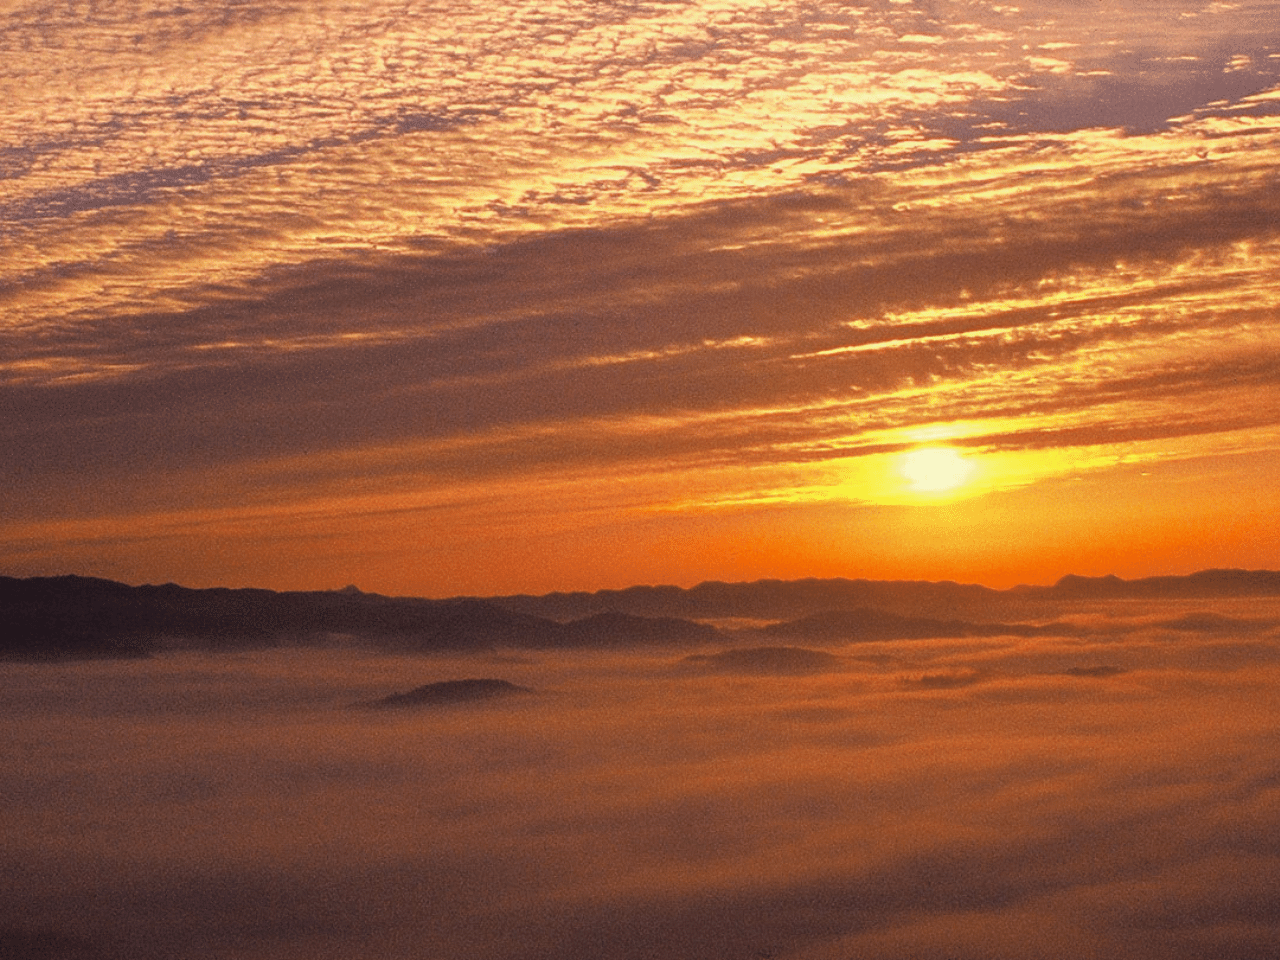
<point x="447" y="692"/>
<point x="71" y="617"/>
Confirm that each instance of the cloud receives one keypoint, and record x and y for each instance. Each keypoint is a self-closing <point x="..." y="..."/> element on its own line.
<point x="236" y="804"/>
<point x="261" y="258"/>
<point x="1100" y="671"/>
<point x="765" y="660"/>
<point x="585" y="339"/>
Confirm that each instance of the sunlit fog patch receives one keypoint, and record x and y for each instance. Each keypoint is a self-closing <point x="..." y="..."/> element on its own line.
<point x="953" y="797"/>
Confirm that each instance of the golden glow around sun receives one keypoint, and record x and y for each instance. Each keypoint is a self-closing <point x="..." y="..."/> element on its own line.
<point x="935" y="469"/>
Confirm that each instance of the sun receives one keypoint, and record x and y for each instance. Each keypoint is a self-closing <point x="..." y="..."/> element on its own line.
<point x="935" y="469"/>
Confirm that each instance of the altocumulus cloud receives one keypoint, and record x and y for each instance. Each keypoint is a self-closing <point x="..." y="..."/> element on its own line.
<point x="406" y="254"/>
<point x="791" y="349"/>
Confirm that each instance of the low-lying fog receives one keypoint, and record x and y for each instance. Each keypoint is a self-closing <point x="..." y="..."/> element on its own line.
<point x="1114" y="794"/>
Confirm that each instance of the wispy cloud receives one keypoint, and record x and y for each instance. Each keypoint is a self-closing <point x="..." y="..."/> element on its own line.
<point x="433" y="244"/>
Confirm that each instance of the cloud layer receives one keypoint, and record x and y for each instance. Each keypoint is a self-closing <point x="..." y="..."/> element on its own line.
<point x="1111" y="792"/>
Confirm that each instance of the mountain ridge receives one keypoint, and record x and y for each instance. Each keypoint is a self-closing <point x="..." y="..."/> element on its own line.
<point x="942" y="599"/>
<point x="70" y="616"/>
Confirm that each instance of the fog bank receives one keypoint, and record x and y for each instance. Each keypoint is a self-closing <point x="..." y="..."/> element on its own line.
<point x="1110" y="793"/>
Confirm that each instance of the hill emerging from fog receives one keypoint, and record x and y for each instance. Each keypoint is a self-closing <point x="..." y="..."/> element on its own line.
<point x="52" y="618"/>
<point x="449" y="693"/>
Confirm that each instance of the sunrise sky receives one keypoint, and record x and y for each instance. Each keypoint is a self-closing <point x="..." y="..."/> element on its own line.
<point x="460" y="297"/>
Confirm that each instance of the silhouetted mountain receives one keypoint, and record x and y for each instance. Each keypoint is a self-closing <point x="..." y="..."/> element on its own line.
<point x="1205" y="583"/>
<point x="616" y="629"/>
<point x="78" y="617"/>
<point x="764" y="599"/>
<point x="83" y="617"/>
<point x="449" y="692"/>
<point x="944" y="600"/>
<point x="458" y="624"/>
<point x="787" y="661"/>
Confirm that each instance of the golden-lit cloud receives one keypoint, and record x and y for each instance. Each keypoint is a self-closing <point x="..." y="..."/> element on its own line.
<point x="937" y="470"/>
<point x="698" y="254"/>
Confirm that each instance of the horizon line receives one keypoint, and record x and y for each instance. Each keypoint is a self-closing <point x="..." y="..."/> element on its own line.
<point x="356" y="590"/>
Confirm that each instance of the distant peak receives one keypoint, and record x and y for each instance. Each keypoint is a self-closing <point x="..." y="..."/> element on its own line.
<point x="1075" y="578"/>
<point x="352" y="590"/>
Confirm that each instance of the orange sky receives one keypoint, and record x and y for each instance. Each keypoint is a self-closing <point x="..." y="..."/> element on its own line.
<point x="437" y="302"/>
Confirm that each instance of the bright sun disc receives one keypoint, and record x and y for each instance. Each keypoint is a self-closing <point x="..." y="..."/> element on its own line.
<point x="935" y="469"/>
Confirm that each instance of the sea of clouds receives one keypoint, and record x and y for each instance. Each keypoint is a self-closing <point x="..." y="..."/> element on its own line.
<point x="1111" y="794"/>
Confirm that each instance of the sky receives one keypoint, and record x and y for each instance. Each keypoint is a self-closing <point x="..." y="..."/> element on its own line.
<point x="453" y="297"/>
